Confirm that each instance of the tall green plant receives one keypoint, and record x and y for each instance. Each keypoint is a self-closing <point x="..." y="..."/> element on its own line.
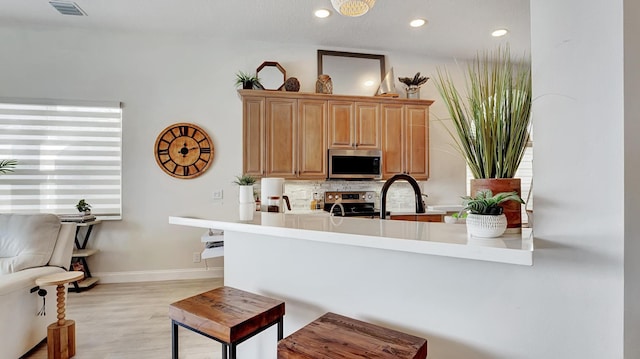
<point x="492" y="121"/>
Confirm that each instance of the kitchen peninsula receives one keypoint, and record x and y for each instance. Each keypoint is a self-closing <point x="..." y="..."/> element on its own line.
<point x="397" y="274"/>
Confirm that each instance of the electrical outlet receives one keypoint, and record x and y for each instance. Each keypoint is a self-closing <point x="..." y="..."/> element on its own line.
<point x="196" y="257"/>
<point x="217" y="194"/>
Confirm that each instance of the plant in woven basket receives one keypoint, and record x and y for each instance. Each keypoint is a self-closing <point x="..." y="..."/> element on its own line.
<point x="7" y="166"/>
<point x="486" y="203"/>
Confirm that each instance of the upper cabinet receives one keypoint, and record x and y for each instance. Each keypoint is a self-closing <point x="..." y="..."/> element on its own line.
<point x="287" y="134"/>
<point x="253" y="135"/>
<point x="354" y="125"/>
<point x="405" y="140"/>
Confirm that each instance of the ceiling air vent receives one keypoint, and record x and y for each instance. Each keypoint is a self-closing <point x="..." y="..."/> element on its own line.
<point x="68" y="8"/>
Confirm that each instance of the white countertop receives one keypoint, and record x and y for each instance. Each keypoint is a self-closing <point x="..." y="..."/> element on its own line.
<point x="439" y="239"/>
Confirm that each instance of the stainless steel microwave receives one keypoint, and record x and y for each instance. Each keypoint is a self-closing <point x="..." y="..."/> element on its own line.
<point x="355" y="164"/>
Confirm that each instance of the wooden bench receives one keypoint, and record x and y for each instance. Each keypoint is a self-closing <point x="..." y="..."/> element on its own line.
<point x="337" y="336"/>
<point x="226" y="315"/>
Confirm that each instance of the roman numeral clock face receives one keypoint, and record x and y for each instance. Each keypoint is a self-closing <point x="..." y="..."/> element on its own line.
<point x="184" y="150"/>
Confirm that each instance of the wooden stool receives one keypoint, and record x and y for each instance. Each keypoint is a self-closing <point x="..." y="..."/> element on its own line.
<point x="226" y="315"/>
<point x="336" y="336"/>
<point x="61" y="335"/>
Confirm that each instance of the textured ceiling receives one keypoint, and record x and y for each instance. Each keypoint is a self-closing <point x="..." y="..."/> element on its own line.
<point x="456" y="28"/>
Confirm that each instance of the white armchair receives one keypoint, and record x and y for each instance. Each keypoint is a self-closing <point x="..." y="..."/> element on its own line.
<point x="31" y="246"/>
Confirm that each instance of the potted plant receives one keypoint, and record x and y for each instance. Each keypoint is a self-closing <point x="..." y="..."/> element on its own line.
<point x="492" y="122"/>
<point x="413" y="84"/>
<point x="247" y="81"/>
<point x="485" y="216"/>
<point x="83" y="207"/>
<point x="7" y="166"/>
<point x="246" y="183"/>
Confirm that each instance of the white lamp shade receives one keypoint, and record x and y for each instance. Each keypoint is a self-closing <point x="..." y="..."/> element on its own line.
<point x="352" y="7"/>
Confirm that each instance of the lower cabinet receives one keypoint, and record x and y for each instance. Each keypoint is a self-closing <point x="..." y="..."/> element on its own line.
<point x="418" y="217"/>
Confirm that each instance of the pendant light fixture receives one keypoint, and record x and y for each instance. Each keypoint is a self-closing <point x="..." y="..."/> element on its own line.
<point x="352" y="7"/>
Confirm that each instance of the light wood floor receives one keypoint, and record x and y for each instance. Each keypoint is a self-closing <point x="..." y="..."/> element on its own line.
<point x="130" y="321"/>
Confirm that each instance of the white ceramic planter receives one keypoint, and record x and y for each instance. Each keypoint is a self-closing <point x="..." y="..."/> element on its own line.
<point x="486" y="226"/>
<point x="246" y="194"/>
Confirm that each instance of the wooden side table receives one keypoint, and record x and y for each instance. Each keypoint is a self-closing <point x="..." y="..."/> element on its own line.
<point x="337" y="336"/>
<point x="61" y="335"/>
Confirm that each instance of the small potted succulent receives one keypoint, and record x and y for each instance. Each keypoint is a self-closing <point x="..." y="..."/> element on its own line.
<point x="83" y="207"/>
<point x="413" y="84"/>
<point x="485" y="218"/>
<point x="7" y="166"/>
<point x="246" y="182"/>
<point x="247" y="80"/>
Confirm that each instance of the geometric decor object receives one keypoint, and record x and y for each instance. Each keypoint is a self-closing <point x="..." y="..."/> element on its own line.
<point x="352" y="7"/>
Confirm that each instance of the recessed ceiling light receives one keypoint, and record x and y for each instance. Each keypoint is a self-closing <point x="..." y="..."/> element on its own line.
<point x="322" y="13"/>
<point x="417" y="22"/>
<point x="499" y="32"/>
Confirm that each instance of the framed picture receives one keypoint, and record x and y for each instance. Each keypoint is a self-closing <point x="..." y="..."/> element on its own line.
<point x="352" y="73"/>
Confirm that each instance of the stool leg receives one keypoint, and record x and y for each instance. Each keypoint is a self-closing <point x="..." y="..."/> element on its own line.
<point x="174" y="340"/>
<point x="232" y="351"/>
<point x="225" y="350"/>
<point x="280" y="328"/>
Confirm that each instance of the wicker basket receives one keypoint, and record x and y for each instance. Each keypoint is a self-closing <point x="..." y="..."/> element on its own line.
<point x="486" y="226"/>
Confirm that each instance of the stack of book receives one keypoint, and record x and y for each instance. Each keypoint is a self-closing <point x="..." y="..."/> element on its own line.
<point x="80" y="217"/>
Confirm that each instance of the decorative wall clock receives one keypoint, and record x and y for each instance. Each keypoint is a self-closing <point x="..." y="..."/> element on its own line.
<point x="184" y="150"/>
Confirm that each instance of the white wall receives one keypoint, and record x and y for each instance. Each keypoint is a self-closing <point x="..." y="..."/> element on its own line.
<point x="579" y="169"/>
<point x="163" y="80"/>
<point x="632" y="178"/>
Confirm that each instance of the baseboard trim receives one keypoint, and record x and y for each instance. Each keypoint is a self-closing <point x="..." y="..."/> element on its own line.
<point x="159" y="275"/>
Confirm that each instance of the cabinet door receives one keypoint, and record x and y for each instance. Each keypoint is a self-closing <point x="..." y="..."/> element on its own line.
<point x="393" y="150"/>
<point x="281" y="137"/>
<point x="253" y="136"/>
<point x="341" y="124"/>
<point x="417" y="141"/>
<point x="367" y="126"/>
<point x="312" y="139"/>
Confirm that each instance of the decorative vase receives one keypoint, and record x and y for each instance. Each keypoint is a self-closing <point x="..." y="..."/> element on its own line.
<point x="512" y="209"/>
<point x="246" y="211"/>
<point x="246" y="194"/>
<point x="413" y="92"/>
<point x="324" y="84"/>
<point x="486" y="226"/>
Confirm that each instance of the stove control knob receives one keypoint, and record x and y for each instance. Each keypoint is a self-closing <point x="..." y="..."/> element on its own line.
<point x="369" y="196"/>
<point x="330" y="196"/>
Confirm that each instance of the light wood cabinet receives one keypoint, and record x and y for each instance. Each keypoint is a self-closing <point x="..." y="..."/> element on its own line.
<point x="281" y="137"/>
<point x="287" y="134"/>
<point x="405" y="140"/>
<point x="285" y="138"/>
<point x="354" y="125"/>
<point x="417" y="217"/>
<point x="312" y="139"/>
<point x="253" y="136"/>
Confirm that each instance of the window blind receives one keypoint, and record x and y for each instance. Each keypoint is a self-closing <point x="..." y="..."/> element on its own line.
<point x="65" y="152"/>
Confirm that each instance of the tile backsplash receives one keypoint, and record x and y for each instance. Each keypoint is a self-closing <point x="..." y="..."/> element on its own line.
<point x="400" y="196"/>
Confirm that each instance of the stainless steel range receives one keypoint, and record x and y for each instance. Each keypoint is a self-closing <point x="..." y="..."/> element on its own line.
<point x="355" y="203"/>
